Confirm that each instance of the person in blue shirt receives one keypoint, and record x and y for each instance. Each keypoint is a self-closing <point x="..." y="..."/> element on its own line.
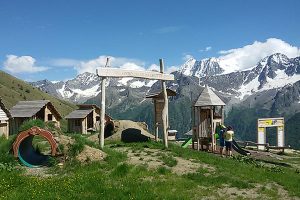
<point x="221" y="132"/>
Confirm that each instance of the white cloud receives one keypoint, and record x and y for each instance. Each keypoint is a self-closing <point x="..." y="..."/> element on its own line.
<point x="118" y="62"/>
<point x="64" y="62"/>
<point x="22" y="64"/>
<point x="249" y="55"/>
<point x="172" y="69"/>
<point x="187" y="57"/>
<point x="206" y="49"/>
<point x="154" y="67"/>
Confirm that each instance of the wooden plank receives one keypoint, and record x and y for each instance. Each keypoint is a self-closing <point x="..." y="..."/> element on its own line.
<point x="117" y="72"/>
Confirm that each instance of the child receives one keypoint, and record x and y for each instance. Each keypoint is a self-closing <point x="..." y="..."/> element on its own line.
<point x="228" y="140"/>
<point x="222" y="130"/>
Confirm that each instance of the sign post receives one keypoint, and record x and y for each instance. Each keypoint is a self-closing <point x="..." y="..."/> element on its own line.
<point x="264" y="123"/>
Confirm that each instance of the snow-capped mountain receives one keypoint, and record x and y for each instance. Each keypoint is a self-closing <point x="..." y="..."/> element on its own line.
<point x="87" y="85"/>
<point x="275" y="71"/>
<point x="202" y="68"/>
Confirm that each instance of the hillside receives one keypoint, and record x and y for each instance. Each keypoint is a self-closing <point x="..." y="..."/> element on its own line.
<point x="13" y="90"/>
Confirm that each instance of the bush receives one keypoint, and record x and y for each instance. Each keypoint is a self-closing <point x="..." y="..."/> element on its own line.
<point x="6" y="156"/>
<point x="31" y="123"/>
<point x="77" y="147"/>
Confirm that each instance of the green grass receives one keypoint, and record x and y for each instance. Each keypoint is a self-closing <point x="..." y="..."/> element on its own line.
<point x="113" y="178"/>
<point x="168" y="160"/>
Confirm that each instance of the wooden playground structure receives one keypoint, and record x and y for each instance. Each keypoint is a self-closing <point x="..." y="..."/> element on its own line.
<point x="208" y="111"/>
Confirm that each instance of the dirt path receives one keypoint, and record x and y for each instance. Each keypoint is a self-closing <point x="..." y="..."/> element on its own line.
<point x="153" y="159"/>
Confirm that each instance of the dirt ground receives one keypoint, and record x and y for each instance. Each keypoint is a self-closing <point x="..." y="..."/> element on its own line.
<point x="152" y="159"/>
<point x="255" y="192"/>
<point x="90" y="154"/>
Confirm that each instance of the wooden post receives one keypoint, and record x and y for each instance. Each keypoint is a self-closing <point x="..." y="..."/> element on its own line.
<point x="212" y="130"/>
<point x="165" y="109"/>
<point x="155" y="120"/>
<point x="102" y="113"/>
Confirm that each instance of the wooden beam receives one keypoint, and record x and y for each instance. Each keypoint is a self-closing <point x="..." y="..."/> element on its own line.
<point x="165" y="109"/>
<point x="117" y="72"/>
<point x="212" y="130"/>
<point x="102" y="111"/>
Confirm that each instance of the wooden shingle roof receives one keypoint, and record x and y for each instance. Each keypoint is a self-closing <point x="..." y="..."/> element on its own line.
<point x="30" y="108"/>
<point x="159" y="94"/>
<point x="79" y="114"/>
<point x="208" y="98"/>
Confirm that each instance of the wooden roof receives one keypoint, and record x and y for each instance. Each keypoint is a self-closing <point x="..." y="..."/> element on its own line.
<point x="79" y="114"/>
<point x="83" y="111"/>
<point x="4" y="112"/>
<point x="88" y="106"/>
<point x="208" y="98"/>
<point x="30" y="108"/>
<point x="159" y="94"/>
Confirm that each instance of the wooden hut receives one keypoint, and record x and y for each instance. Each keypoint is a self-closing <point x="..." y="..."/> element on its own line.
<point x="85" y="119"/>
<point x="208" y="110"/>
<point x="40" y="109"/>
<point x="4" y="120"/>
<point x="158" y="101"/>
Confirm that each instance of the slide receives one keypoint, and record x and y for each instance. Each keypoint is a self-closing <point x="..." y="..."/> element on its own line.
<point x="238" y="149"/>
<point x="187" y="142"/>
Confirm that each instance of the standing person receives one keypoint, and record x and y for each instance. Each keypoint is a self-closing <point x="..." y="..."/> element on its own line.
<point x="228" y="140"/>
<point x="221" y="132"/>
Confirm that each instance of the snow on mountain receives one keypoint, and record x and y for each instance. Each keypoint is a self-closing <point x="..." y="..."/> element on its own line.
<point x="187" y="67"/>
<point x="274" y="71"/>
<point x="202" y="68"/>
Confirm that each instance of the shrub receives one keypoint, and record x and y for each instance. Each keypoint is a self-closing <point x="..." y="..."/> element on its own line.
<point x="77" y="147"/>
<point x="31" y="123"/>
<point x="5" y="148"/>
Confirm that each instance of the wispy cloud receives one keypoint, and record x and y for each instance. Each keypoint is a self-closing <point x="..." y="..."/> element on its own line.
<point x="63" y="62"/>
<point x="22" y="64"/>
<point x="168" y="29"/>
<point x="206" y="49"/>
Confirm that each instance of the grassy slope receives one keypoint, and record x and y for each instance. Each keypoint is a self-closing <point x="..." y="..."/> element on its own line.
<point x="13" y="90"/>
<point x="113" y="179"/>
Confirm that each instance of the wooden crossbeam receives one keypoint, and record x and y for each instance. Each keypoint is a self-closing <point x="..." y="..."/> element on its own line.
<point x="117" y="72"/>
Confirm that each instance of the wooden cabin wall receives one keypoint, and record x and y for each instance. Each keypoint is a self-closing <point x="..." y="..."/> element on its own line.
<point x="47" y="111"/>
<point x="4" y="128"/>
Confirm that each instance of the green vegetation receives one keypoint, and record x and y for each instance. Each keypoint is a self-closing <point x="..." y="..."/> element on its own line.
<point x="13" y="90"/>
<point x="114" y="178"/>
<point x="168" y="160"/>
<point x="31" y="123"/>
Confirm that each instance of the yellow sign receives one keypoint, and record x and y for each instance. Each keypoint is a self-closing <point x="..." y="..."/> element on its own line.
<point x="270" y="122"/>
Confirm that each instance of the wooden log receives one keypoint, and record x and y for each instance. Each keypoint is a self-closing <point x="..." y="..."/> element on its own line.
<point x="102" y="113"/>
<point x="165" y="109"/>
<point x="117" y="72"/>
<point x="212" y="130"/>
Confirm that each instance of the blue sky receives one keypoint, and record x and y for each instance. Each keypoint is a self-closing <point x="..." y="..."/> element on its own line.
<point x="58" y="39"/>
